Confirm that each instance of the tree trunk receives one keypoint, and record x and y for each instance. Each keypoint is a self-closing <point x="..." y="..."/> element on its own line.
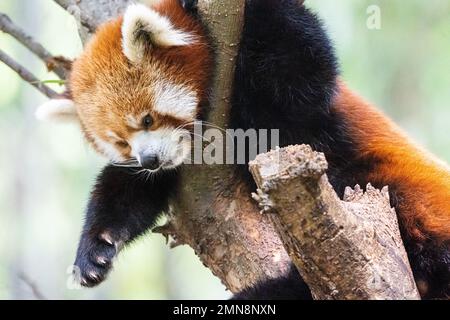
<point x="214" y="213"/>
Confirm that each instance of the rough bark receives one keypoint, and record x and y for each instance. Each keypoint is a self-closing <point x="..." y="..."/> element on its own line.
<point x="329" y="239"/>
<point x="214" y="213"/>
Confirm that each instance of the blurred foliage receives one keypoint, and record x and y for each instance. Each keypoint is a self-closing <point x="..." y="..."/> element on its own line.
<point x="46" y="169"/>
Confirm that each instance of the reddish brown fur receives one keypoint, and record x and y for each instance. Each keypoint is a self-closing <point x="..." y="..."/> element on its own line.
<point x="422" y="181"/>
<point x="106" y="87"/>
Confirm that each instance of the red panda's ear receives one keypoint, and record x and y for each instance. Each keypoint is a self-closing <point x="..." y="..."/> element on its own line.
<point x="144" y="27"/>
<point x="62" y="110"/>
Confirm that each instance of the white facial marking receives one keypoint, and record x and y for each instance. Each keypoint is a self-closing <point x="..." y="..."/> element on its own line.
<point x="170" y="145"/>
<point x="57" y="109"/>
<point x="175" y="100"/>
<point x="139" y="19"/>
<point x="108" y="150"/>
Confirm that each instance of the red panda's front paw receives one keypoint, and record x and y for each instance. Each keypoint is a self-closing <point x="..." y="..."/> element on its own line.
<point x="95" y="258"/>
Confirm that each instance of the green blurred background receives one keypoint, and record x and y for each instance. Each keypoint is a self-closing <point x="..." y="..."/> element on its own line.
<point x="46" y="169"/>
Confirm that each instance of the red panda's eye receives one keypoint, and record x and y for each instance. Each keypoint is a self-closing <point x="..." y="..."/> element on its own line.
<point x="147" y="122"/>
<point x="122" y="144"/>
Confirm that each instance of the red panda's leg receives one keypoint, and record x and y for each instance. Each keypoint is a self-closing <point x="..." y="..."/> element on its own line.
<point x="122" y="206"/>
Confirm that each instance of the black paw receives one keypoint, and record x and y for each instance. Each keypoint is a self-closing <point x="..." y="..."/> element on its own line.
<point x="95" y="259"/>
<point x="189" y="5"/>
<point x="430" y="263"/>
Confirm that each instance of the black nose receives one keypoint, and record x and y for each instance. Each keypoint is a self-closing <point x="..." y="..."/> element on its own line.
<point x="150" y="162"/>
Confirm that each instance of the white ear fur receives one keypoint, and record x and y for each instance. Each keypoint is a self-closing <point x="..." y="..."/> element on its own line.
<point x="142" y="24"/>
<point x="62" y="110"/>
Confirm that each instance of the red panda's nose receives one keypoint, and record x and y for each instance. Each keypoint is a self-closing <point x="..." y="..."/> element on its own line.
<point x="150" y="161"/>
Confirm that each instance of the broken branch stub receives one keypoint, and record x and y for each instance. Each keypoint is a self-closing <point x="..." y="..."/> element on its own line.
<point x="348" y="249"/>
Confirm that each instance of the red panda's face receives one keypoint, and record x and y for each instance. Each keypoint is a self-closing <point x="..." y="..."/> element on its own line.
<point x="139" y="83"/>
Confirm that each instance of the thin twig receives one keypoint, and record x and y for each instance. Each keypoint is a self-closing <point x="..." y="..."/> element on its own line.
<point x="71" y="7"/>
<point x="27" y="75"/>
<point x="55" y="64"/>
<point x="36" y="292"/>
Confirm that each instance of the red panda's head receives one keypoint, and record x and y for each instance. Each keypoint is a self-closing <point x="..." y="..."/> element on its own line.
<point x="139" y="84"/>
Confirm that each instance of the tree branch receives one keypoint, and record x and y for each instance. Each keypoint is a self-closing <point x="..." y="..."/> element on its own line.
<point x="72" y="7"/>
<point x="329" y="239"/>
<point x="89" y="14"/>
<point x="27" y="75"/>
<point x="58" y="65"/>
<point x="224" y="20"/>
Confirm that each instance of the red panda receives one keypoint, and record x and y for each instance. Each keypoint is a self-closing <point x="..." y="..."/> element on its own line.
<point x="144" y="78"/>
<point x="161" y="93"/>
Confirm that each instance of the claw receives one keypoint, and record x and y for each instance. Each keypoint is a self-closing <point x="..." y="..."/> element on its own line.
<point x="83" y="282"/>
<point x="93" y="275"/>
<point x="102" y="261"/>
<point x="106" y="237"/>
<point x="95" y="258"/>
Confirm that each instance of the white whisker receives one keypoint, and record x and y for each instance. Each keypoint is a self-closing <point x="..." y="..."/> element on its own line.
<point x="130" y="163"/>
<point x="126" y="165"/>
<point x="207" y="124"/>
